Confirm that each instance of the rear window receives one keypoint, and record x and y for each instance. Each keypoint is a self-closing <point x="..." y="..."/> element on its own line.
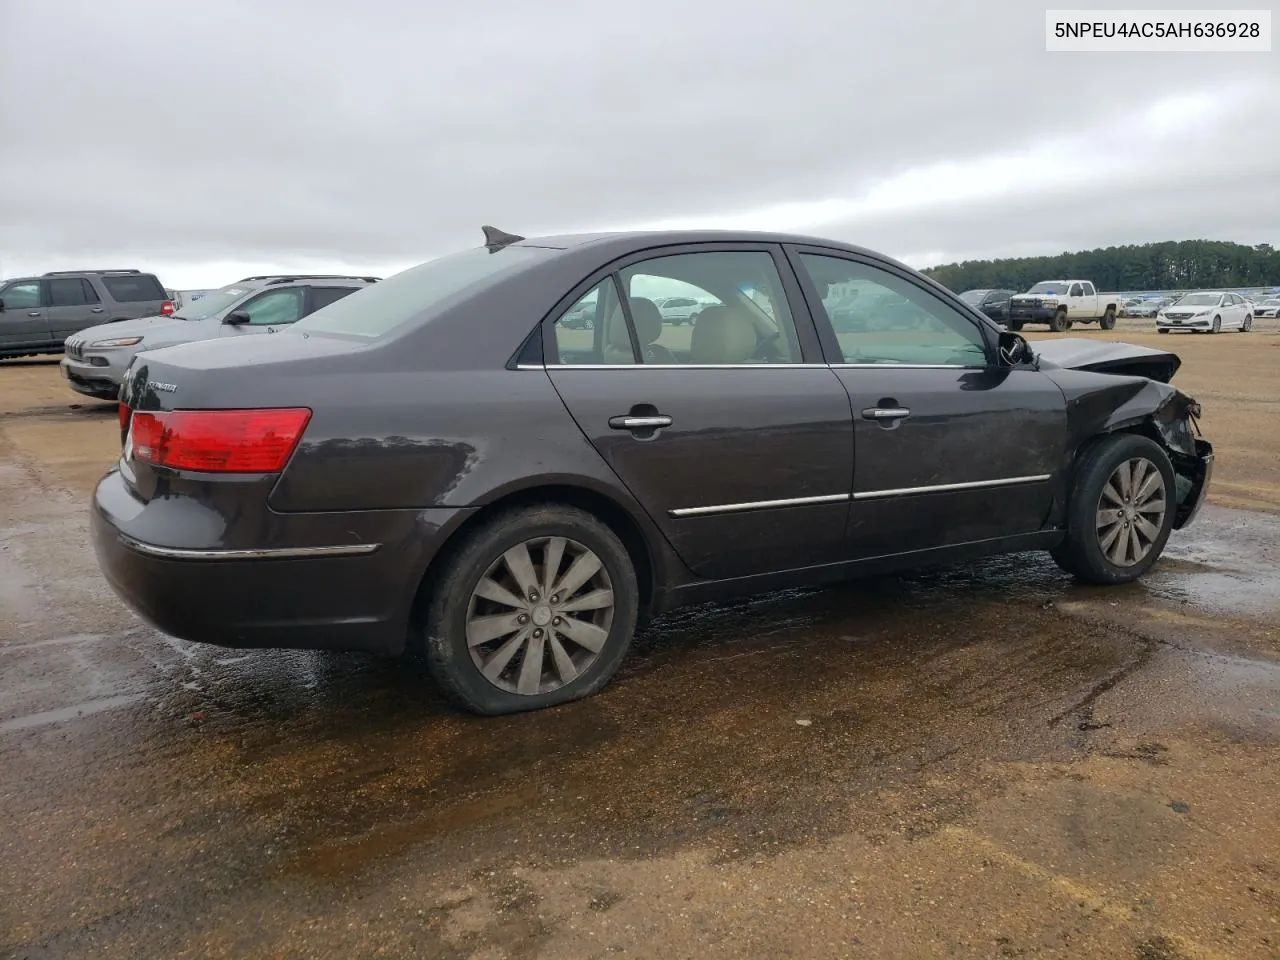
<point x="380" y="308"/>
<point x="132" y="289"/>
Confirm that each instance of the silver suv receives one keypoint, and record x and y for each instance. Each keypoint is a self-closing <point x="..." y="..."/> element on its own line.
<point x="95" y="359"/>
<point x="37" y="314"/>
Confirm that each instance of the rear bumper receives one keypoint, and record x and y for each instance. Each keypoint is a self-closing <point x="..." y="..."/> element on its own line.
<point x="346" y="582"/>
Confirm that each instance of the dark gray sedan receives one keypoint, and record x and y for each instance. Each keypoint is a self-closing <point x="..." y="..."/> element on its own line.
<point x="439" y="462"/>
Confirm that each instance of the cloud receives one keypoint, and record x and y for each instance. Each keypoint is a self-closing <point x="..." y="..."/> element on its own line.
<point x="191" y="138"/>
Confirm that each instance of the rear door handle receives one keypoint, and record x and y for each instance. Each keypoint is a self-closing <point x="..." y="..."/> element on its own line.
<point x="639" y="423"/>
<point x="34" y="313"/>
<point x="885" y="413"/>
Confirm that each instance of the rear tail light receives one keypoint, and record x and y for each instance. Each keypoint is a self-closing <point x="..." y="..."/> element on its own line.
<point x="166" y="308"/>
<point x="123" y="413"/>
<point x="219" y="441"/>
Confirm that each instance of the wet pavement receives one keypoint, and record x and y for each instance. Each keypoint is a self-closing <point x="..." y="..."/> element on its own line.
<point x="978" y="761"/>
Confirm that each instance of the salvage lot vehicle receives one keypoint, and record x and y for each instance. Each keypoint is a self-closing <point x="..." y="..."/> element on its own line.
<point x="436" y="462"/>
<point x="994" y="303"/>
<point x="95" y="358"/>
<point x="37" y="314"/>
<point x="1208" y="311"/>
<point x="1061" y="304"/>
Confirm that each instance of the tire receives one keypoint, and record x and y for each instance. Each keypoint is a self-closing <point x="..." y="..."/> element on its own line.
<point x="456" y="612"/>
<point x="1108" y="321"/>
<point x="1162" y="329"/>
<point x="1014" y="326"/>
<point x="1247" y="325"/>
<point x="1217" y="325"/>
<point x="1087" y="553"/>
<point x="1059" y="322"/>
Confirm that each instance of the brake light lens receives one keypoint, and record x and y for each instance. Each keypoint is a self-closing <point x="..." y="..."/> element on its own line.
<point x="219" y="441"/>
<point x="123" y="413"/>
<point x="166" y="308"/>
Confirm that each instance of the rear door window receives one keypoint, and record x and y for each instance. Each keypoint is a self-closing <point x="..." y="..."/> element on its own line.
<point x="68" y="292"/>
<point x="604" y="339"/>
<point x="323" y="296"/>
<point x="746" y="319"/>
<point x="134" y="288"/>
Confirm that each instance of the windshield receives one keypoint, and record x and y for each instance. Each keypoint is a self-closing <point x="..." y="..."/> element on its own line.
<point x="974" y="297"/>
<point x="209" y="304"/>
<point x="1049" y="286"/>
<point x="1200" y="300"/>
<point x="381" y="307"/>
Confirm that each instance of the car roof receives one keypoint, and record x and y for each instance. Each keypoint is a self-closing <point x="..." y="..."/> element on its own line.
<point x="625" y="241"/>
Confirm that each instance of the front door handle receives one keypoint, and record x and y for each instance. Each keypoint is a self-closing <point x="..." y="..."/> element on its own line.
<point x="885" y="413"/>
<point x="639" y="423"/>
<point x="34" y="313"/>
<point x="96" y="310"/>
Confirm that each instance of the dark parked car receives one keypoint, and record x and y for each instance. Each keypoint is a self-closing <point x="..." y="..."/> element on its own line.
<point x="994" y="303"/>
<point x="37" y="314"/>
<point x="435" y="462"/>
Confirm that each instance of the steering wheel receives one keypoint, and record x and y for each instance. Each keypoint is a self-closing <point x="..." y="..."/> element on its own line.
<point x="766" y="349"/>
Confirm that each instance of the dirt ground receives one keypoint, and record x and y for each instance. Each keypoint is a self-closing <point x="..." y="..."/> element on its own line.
<point x="979" y="761"/>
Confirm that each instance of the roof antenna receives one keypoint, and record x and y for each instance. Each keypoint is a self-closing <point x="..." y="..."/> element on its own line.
<point x="496" y="239"/>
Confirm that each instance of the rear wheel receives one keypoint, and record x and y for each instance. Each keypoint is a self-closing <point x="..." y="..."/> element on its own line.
<point x="1108" y="321"/>
<point x="1059" y="322"/>
<point x="1121" y="510"/>
<point x="536" y="608"/>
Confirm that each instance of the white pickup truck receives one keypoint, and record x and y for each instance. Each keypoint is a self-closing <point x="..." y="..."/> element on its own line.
<point x="1061" y="303"/>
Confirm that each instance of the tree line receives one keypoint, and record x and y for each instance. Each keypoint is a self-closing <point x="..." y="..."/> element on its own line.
<point x="1172" y="265"/>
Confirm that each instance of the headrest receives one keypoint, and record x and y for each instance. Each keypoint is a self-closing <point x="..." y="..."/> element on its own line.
<point x="722" y="335"/>
<point x="647" y="319"/>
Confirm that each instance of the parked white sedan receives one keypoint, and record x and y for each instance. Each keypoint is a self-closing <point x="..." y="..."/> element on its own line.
<point x="1209" y="311"/>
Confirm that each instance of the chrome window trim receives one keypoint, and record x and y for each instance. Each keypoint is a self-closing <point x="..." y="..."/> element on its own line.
<point x="910" y="366"/>
<point x="948" y="487"/>
<point x="757" y="505"/>
<point x="751" y="366"/>
<point x="675" y="366"/>
<point x="721" y="508"/>
<point x="263" y="553"/>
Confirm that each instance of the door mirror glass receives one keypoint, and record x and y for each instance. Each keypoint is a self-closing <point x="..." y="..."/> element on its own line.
<point x="1014" y="349"/>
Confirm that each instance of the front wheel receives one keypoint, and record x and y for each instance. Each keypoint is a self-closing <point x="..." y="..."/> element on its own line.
<point x="536" y="608"/>
<point x="1247" y="325"/>
<point x="1108" y="321"/>
<point x="1014" y="325"/>
<point x="1120" y="511"/>
<point x="1217" y="325"/>
<point x="1059" y="322"/>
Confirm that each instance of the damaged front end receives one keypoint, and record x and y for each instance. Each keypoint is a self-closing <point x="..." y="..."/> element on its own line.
<point x="1176" y="422"/>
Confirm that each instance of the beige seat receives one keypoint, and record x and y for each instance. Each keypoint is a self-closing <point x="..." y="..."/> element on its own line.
<point x="648" y="322"/>
<point x="617" y="346"/>
<point x="723" y="335"/>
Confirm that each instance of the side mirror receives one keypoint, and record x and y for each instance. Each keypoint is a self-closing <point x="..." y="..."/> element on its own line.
<point x="1014" y="349"/>
<point x="236" y="318"/>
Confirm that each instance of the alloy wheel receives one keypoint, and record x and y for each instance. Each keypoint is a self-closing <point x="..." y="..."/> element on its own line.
<point x="540" y="616"/>
<point x="1131" y="512"/>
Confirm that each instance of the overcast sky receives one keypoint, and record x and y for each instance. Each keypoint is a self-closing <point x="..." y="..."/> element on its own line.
<point x="208" y="140"/>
